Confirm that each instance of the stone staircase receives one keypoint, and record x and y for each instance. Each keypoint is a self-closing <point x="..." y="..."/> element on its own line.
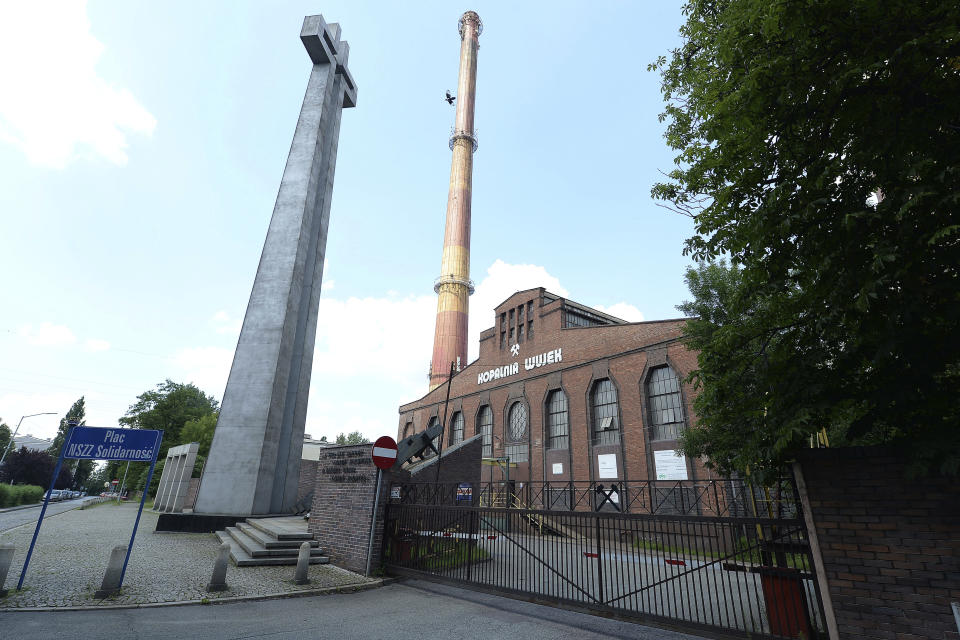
<point x="270" y="541"/>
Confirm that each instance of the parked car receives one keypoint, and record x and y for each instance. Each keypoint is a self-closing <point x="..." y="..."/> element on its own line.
<point x="55" y="495"/>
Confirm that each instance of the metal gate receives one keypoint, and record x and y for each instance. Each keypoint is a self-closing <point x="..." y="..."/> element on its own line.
<point x="712" y="555"/>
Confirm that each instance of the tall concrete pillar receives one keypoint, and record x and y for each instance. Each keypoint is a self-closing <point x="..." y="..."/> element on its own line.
<point x="454" y="286"/>
<point x="254" y="460"/>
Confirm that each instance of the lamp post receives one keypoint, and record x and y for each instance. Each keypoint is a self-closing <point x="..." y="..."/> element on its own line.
<point x="15" y="431"/>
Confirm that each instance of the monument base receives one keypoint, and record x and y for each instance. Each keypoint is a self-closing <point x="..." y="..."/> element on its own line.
<point x="201" y="522"/>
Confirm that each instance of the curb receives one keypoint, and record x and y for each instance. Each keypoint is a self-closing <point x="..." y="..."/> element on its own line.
<point x="344" y="588"/>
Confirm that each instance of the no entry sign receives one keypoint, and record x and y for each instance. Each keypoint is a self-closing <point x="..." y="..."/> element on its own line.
<point x="384" y="452"/>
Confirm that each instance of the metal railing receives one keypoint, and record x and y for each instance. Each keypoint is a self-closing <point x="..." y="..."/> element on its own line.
<point x="720" y="497"/>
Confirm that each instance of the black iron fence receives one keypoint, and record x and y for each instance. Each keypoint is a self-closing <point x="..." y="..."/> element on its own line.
<point x="653" y="497"/>
<point x="736" y="575"/>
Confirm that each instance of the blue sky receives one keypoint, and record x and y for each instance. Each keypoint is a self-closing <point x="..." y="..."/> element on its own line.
<point x="141" y="147"/>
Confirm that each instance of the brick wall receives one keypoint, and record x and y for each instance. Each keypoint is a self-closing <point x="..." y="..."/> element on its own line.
<point x="308" y="478"/>
<point x="343" y="499"/>
<point x="890" y="544"/>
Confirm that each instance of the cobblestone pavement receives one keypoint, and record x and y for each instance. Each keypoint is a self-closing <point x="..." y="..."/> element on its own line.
<point x="17" y="517"/>
<point x="73" y="548"/>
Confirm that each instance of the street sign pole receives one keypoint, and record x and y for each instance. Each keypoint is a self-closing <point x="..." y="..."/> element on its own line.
<point x="43" y="510"/>
<point x="384" y="456"/>
<point x="143" y="498"/>
<point x="373" y="521"/>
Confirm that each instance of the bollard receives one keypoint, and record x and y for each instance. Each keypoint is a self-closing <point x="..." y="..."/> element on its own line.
<point x="111" y="578"/>
<point x="303" y="564"/>
<point x="218" y="581"/>
<point x="6" y="559"/>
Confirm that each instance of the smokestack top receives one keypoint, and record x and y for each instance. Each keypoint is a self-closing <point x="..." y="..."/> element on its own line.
<point x="472" y="18"/>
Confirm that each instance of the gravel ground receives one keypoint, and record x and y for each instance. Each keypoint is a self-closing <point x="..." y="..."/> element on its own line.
<point x="73" y="548"/>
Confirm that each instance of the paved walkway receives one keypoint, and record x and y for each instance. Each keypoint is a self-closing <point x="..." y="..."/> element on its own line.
<point x="73" y="548"/>
<point x="17" y="516"/>
<point x="404" y="611"/>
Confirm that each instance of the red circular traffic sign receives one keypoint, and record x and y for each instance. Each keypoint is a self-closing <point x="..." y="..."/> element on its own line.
<point x="384" y="452"/>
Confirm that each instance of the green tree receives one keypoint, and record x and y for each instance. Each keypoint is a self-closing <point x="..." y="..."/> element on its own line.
<point x="200" y="431"/>
<point x="817" y="149"/>
<point x="6" y="435"/>
<point x="354" y="437"/>
<point x="31" y="466"/>
<point x="169" y="407"/>
<point x="81" y="468"/>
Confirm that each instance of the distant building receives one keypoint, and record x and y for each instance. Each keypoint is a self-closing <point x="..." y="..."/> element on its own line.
<point x="569" y="393"/>
<point x="311" y="447"/>
<point x="30" y="442"/>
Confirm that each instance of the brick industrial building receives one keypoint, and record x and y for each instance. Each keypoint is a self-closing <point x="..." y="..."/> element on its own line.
<point x="569" y="393"/>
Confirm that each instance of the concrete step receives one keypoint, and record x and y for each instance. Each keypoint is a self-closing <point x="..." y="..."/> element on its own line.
<point x="257" y="550"/>
<point x="282" y="528"/>
<point x="242" y="558"/>
<point x="270" y="542"/>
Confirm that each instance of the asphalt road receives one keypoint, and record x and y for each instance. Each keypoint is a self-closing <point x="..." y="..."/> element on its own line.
<point x="16" y="518"/>
<point x="411" y="610"/>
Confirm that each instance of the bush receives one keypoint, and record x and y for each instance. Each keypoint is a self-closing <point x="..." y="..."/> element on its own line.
<point x="12" y="496"/>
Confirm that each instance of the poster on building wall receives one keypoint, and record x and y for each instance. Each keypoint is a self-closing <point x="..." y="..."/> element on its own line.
<point x="670" y="465"/>
<point x="557" y="468"/>
<point x="607" y="465"/>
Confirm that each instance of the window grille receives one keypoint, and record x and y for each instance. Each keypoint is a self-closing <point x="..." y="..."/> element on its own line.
<point x="517" y="433"/>
<point x="485" y="428"/>
<point x="456" y="431"/>
<point x="666" y="407"/>
<point x="603" y="401"/>
<point x="558" y="424"/>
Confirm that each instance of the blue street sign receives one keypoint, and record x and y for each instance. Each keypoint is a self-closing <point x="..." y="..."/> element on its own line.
<point x="464" y="492"/>
<point x="97" y="443"/>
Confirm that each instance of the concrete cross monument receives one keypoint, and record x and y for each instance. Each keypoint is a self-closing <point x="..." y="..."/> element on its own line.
<point x="254" y="461"/>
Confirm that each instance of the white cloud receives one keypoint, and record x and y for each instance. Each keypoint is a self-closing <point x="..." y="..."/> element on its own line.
<point x="47" y="335"/>
<point x="206" y="367"/>
<point x="372" y="354"/>
<point x="96" y="344"/>
<point x="501" y="282"/>
<point x="54" y="106"/>
<point x="623" y="311"/>
<point x="223" y="323"/>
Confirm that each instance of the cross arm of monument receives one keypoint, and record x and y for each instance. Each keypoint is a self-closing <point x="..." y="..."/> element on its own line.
<point x="323" y="45"/>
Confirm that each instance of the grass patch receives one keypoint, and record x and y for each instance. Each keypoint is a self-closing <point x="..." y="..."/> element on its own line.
<point x="743" y="555"/>
<point x="440" y="555"/>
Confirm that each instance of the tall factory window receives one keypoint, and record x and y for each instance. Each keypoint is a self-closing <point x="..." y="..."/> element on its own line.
<point x="530" y="330"/>
<point x="520" y="314"/>
<point x="603" y="403"/>
<point x="558" y="424"/>
<point x="485" y="428"/>
<point x="456" y="432"/>
<point x="408" y="429"/>
<point x="516" y="449"/>
<point x="666" y="407"/>
<point x="436" y="441"/>
<point x="503" y="330"/>
<point x="520" y="332"/>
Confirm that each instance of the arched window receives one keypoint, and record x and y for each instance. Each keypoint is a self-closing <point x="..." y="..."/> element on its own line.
<point x="517" y="433"/>
<point x="558" y="424"/>
<point x="603" y="403"/>
<point x="666" y="407"/>
<point x="485" y="428"/>
<point x="456" y="429"/>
